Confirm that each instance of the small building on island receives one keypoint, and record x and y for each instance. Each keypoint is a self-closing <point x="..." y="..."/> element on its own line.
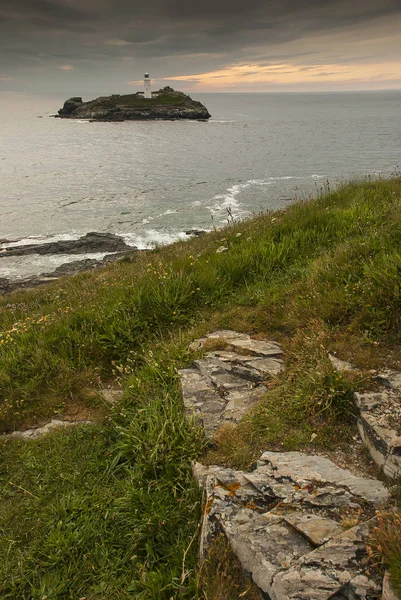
<point x="147" y="86"/>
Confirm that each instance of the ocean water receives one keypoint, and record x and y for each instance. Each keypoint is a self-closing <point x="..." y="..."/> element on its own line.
<point x="152" y="181"/>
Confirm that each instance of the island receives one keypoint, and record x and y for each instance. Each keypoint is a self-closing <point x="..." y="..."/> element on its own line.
<point x="165" y="104"/>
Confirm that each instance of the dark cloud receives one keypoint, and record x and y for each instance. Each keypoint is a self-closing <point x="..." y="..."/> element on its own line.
<point x="123" y="35"/>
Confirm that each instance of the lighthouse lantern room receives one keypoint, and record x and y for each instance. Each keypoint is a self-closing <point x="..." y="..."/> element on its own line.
<point x="147" y="89"/>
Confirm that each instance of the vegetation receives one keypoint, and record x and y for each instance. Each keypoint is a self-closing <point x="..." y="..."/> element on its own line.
<point x="135" y="100"/>
<point x="385" y="545"/>
<point x="110" y="510"/>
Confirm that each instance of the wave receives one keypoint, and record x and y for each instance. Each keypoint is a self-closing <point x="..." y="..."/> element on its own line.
<point x="229" y="200"/>
<point x="41" y="239"/>
<point x="152" y="238"/>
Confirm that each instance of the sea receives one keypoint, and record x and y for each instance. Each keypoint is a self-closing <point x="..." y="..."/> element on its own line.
<point x="152" y="182"/>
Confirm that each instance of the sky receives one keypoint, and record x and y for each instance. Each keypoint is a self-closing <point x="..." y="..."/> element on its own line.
<point x="87" y="47"/>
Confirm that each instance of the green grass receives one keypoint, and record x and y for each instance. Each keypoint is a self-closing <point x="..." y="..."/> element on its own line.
<point x="321" y="276"/>
<point x="104" y="512"/>
<point x="134" y="100"/>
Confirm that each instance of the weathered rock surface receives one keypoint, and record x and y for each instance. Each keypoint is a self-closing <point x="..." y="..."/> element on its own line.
<point x="297" y="523"/>
<point x="37" y="432"/>
<point x="90" y="243"/>
<point x="165" y="104"/>
<point x="221" y="387"/>
<point x="379" y="424"/>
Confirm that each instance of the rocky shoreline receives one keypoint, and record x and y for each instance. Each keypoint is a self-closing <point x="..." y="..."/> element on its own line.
<point x="91" y="243"/>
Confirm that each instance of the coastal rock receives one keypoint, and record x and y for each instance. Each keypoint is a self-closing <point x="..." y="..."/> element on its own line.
<point x="90" y="243"/>
<point x="297" y="523"/>
<point x="223" y="386"/>
<point x="196" y="232"/>
<point x="164" y="104"/>
<point x="72" y="268"/>
<point x="70" y="105"/>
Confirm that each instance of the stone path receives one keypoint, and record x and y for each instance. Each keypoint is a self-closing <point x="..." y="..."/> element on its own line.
<point x="297" y="523"/>
<point x="222" y="386"/>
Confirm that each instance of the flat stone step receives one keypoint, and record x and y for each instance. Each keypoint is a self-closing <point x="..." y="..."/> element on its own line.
<point x="297" y="523"/>
<point x="240" y="341"/>
<point x="223" y="386"/>
<point x="379" y="425"/>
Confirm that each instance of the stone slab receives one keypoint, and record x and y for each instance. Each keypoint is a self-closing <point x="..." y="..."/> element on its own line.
<point x="314" y="528"/>
<point x="301" y="467"/>
<point x="337" y="566"/>
<point x="286" y="522"/>
<point x="224" y="385"/>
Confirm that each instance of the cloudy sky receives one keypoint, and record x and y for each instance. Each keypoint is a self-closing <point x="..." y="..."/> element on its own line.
<point x="79" y="47"/>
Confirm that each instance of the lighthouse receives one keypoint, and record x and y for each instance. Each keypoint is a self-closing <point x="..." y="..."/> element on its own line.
<point x="146" y="84"/>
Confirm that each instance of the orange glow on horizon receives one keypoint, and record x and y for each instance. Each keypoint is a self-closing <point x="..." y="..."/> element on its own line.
<point x="254" y="74"/>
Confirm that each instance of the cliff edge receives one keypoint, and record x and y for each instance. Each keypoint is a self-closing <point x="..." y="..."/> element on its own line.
<point x="164" y="104"/>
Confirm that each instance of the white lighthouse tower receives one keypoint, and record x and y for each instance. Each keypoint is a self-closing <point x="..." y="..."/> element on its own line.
<point x="146" y="84"/>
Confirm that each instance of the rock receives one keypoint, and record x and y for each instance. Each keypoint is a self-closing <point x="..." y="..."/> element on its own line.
<point x="223" y="386"/>
<point x="388" y="591"/>
<point x="240" y="341"/>
<point x="390" y="379"/>
<point x="70" y="105"/>
<point x="221" y="249"/>
<point x="77" y="266"/>
<point x="300" y="467"/>
<point x="379" y="425"/>
<point x="36" y="432"/>
<point x="337" y="567"/>
<point x="315" y="528"/>
<point x="340" y="365"/>
<point x="287" y="522"/>
<point x="165" y="104"/>
<point x="90" y="243"/>
<point x="72" y="268"/>
<point x="196" y="232"/>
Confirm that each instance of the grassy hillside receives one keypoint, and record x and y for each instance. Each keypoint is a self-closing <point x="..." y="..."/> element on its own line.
<point x="110" y="511"/>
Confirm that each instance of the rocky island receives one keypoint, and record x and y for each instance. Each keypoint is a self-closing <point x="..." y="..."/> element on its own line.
<point x="165" y="104"/>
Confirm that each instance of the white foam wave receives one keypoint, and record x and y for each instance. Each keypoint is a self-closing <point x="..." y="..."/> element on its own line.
<point x="42" y="239"/>
<point x="152" y="238"/>
<point x="316" y="177"/>
<point x="230" y="201"/>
